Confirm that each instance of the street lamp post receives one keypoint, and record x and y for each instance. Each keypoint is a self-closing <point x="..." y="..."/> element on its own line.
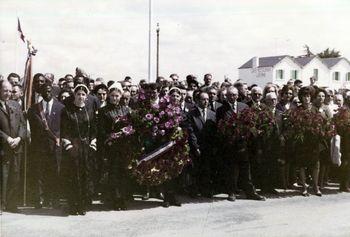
<point x="158" y="30"/>
<point x="149" y="38"/>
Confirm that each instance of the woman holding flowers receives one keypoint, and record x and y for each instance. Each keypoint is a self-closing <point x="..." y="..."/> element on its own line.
<point x="306" y="128"/>
<point x="320" y="107"/>
<point x="111" y="116"/>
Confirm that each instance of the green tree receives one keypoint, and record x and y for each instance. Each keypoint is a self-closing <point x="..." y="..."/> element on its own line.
<point x="327" y="53"/>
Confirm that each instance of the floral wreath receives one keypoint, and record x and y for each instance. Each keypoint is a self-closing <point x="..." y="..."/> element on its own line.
<point x="151" y="141"/>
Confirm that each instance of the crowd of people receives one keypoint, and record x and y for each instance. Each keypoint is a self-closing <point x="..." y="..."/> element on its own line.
<point x="64" y="134"/>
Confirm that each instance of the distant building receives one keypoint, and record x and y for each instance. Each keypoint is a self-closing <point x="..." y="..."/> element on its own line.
<point x="330" y="72"/>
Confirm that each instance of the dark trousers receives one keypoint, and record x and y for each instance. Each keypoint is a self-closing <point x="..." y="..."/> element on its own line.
<point x="344" y="174"/>
<point x="11" y="181"/>
<point x="45" y="171"/>
<point x="239" y="159"/>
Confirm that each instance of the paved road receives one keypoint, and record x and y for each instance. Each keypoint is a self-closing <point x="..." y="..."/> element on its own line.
<point x="290" y="215"/>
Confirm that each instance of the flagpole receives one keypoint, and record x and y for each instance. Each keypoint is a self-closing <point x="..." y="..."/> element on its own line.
<point x="27" y="88"/>
<point x="26" y="76"/>
<point x="149" y="38"/>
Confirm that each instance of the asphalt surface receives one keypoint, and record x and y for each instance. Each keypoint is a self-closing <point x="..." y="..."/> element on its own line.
<point x="289" y="215"/>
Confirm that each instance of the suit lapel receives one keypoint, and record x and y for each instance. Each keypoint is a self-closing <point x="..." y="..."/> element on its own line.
<point x="200" y="116"/>
<point x="4" y="110"/>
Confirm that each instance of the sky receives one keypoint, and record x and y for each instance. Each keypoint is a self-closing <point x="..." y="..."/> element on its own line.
<point x="109" y="38"/>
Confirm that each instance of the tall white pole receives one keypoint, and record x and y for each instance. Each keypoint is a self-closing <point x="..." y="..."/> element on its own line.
<point x="149" y="39"/>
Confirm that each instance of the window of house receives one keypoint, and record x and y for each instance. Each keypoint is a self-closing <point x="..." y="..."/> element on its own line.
<point x="279" y="74"/>
<point x="336" y="76"/>
<point x="294" y="74"/>
<point x="316" y="73"/>
<point x="347" y="76"/>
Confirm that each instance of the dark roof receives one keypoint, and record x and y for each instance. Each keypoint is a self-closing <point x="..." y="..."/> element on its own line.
<point x="330" y="62"/>
<point x="264" y="61"/>
<point x="302" y="61"/>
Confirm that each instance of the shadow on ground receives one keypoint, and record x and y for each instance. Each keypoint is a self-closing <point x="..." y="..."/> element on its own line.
<point x="139" y="204"/>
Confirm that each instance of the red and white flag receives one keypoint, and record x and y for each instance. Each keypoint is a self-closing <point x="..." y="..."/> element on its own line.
<point x="20" y="30"/>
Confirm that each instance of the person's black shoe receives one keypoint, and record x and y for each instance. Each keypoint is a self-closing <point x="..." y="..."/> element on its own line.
<point x="231" y="197"/>
<point x="270" y="191"/>
<point x="82" y="212"/>
<point x="38" y="205"/>
<point x="174" y="202"/>
<point x="146" y="196"/>
<point x="73" y="212"/>
<point x="255" y="196"/>
<point x="122" y="205"/>
<point x="166" y="204"/>
<point x="207" y="195"/>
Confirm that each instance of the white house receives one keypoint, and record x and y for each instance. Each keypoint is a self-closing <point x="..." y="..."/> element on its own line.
<point x="330" y="72"/>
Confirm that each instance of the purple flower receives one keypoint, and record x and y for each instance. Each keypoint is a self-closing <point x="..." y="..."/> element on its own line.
<point x="178" y="119"/>
<point x="177" y="110"/>
<point x="161" y="100"/>
<point x="116" y="135"/>
<point x="155" y="106"/>
<point x="142" y="96"/>
<point x="169" y="124"/>
<point x="161" y="114"/>
<point x="162" y="132"/>
<point x="156" y="119"/>
<point x="149" y="117"/>
<point x="167" y="98"/>
<point x="170" y="113"/>
<point x="128" y="130"/>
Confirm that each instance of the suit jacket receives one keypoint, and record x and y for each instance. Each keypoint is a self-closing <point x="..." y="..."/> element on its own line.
<point x="226" y="110"/>
<point x="43" y="139"/>
<point x="254" y="105"/>
<point x="187" y="107"/>
<point x="215" y="106"/>
<point x="200" y="131"/>
<point x="12" y="124"/>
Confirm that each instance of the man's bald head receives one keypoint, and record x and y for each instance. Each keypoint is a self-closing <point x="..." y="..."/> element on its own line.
<point x="5" y="90"/>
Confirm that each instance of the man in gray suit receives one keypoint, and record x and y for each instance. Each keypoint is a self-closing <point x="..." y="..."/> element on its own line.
<point x="12" y="135"/>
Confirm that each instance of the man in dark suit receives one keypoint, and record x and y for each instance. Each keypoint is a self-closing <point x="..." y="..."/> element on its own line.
<point x="235" y="160"/>
<point x="257" y="95"/>
<point x="45" y="118"/>
<point x="213" y="97"/>
<point x="12" y="135"/>
<point x="201" y="127"/>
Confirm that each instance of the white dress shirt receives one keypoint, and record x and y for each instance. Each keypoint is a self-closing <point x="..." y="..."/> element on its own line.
<point x="44" y="106"/>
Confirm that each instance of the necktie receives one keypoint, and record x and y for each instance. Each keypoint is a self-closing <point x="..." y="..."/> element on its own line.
<point x="7" y="108"/>
<point x="234" y="108"/>
<point x="212" y="105"/>
<point x="47" y="111"/>
<point x="204" y="115"/>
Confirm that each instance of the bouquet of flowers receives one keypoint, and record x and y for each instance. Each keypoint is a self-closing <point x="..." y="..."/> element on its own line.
<point x="302" y="124"/>
<point x="342" y="121"/>
<point x="248" y="124"/>
<point x="158" y="146"/>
